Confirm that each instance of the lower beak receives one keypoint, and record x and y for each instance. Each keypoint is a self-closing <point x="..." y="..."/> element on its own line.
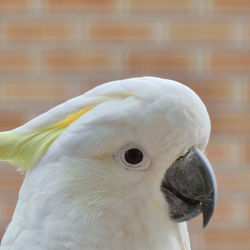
<point x="189" y="186"/>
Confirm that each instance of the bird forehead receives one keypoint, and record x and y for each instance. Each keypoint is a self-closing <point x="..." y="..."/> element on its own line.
<point x="153" y="104"/>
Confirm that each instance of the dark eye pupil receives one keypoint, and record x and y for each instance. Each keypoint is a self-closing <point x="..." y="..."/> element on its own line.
<point x="133" y="156"/>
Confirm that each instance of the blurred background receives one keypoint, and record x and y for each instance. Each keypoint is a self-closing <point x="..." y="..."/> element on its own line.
<point x="53" y="50"/>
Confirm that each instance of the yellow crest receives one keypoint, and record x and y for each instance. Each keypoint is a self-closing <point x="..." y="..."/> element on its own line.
<point x="25" y="150"/>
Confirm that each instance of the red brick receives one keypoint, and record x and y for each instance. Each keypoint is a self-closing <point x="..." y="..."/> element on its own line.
<point x="200" y="31"/>
<point x="35" y="91"/>
<point x="219" y="90"/>
<point x="230" y="123"/>
<point x="7" y="170"/>
<point x="231" y="61"/>
<point x="248" y="211"/>
<point x="223" y="212"/>
<point x="247" y="33"/>
<point x="35" y="31"/>
<point x="230" y="238"/>
<point x="231" y="5"/>
<point x="76" y="61"/>
<point x="115" y="31"/>
<point x="157" y="61"/>
<point x="218" y="152"/>
<point x="246" y="153"/>
<point x="13" y="4"/>
<point x="234" y="182"/>
<point x="10" y="184"/>
<point x="82" y="4"/>
<point x="10" y="120"/>
<point x="15" y="61"/>
<point x="7" y="211"/>
<point x="162" y="5"/>
<point x="2" y="229"/>
<point x="248" y="92"/>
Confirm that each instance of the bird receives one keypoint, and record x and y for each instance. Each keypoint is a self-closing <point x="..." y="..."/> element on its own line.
<point x="120" y="167"/>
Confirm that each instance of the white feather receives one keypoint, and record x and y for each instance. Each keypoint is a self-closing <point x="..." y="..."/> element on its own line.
<point x="79" y="197"/>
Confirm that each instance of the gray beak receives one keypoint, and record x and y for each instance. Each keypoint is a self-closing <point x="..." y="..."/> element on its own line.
<point x="189" y="187"/>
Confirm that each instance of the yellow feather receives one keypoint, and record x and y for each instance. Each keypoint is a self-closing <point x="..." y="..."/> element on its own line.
<point x="71" y="118"/>
<point x="26" y="150"/>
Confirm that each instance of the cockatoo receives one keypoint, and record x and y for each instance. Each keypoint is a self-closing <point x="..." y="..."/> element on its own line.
<point x="120" y="167"/>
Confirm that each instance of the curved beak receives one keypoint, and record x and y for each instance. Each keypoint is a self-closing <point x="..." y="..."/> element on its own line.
<point x="190" y="188"/>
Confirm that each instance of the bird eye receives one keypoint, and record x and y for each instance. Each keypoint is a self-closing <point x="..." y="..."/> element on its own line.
<point x="133" y="157"/>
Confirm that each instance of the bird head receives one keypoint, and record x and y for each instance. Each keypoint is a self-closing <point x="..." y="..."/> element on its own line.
<point x="141" y="137"/>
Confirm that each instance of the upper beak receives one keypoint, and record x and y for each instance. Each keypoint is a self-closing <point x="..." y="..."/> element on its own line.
<point x="189" y="186"/>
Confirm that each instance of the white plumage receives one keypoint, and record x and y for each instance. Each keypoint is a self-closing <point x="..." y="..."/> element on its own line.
<point x="79" y="196"/>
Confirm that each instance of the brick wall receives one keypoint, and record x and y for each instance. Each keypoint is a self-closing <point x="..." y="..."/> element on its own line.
<point x="52" y="50"/>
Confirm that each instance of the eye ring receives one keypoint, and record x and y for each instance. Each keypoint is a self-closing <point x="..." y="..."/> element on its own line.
<point x="133" y="157"/>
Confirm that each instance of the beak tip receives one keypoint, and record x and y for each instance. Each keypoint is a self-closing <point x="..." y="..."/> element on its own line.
<point x="205" y="222"/>
<point x="208" y="211"/>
